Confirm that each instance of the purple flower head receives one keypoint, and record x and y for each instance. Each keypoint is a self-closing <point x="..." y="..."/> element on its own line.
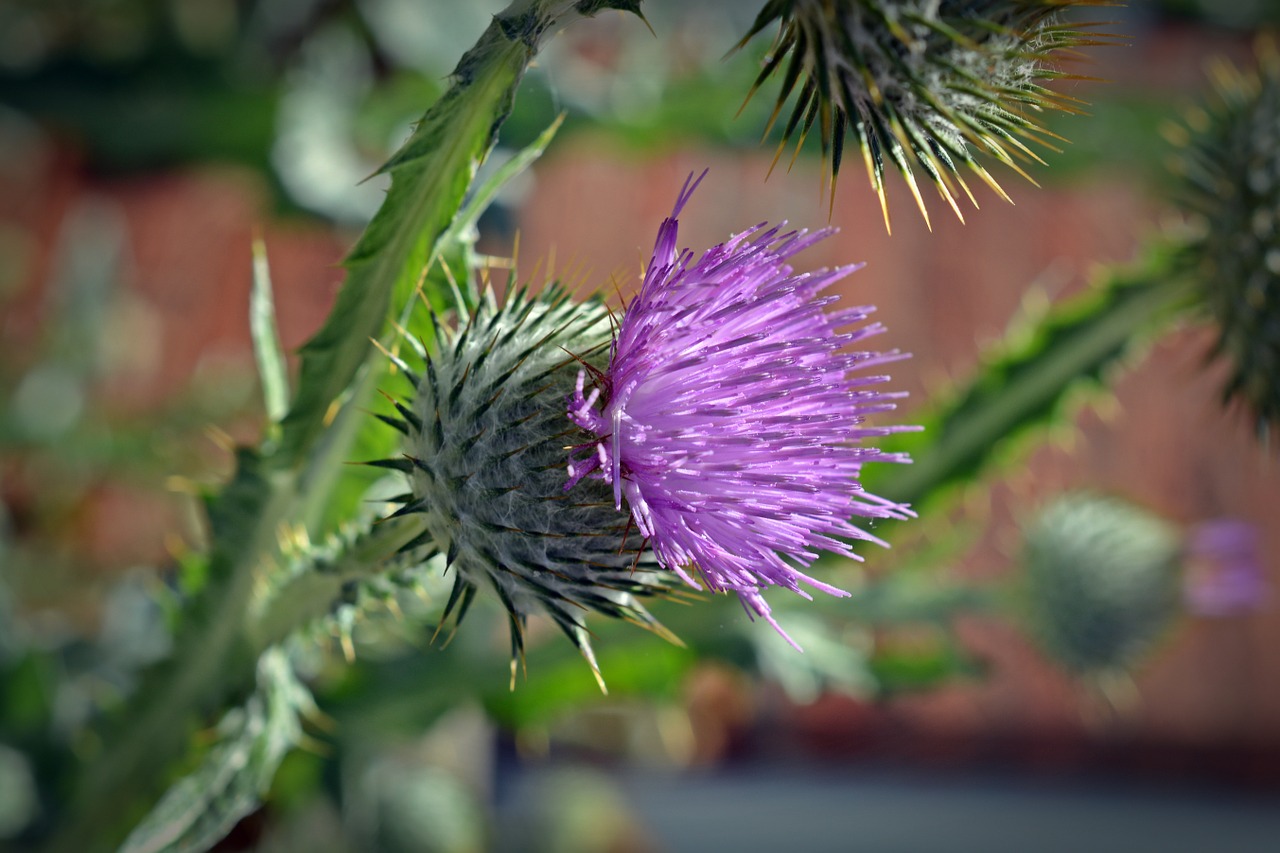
<point x="1225" y="576"/>
<point x="729" y="416"/>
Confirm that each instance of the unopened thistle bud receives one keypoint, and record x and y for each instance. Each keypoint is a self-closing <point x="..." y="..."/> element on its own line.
<point x="484" y="453"/>
<point x="921" y="84"/>
<point x="1101" y="581"/>
<point x="1229" y="162"/>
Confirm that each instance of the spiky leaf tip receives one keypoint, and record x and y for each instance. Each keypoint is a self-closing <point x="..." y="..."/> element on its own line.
<point x="1229" y="174"/>
<point x="485" y="451"/>
<point x="922" y="85"/>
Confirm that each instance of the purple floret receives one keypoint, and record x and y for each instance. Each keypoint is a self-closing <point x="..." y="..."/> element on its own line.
<point x="1225" y="574"/>
<point x="729" y="417"/>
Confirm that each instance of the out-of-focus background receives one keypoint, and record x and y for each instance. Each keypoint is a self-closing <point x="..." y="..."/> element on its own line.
<point x="145" y="143"/>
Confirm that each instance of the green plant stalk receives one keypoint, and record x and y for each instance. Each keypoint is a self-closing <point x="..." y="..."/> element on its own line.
<point x="235" y="773"/>
<point x="1026" y="386"/>
<point x="210" y="665"/>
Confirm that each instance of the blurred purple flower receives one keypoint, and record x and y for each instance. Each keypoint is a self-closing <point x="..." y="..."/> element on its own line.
<point x="729" y="419"/>
<point x="1224" y="572"/>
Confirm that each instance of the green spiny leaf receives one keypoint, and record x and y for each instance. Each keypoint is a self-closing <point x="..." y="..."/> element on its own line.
<point x="366" y="438"/>
<point x="203" y="806"/>
<point x="429" y="176"/>
<point x="1027" y="381"/>
<point x="456" y="247"/>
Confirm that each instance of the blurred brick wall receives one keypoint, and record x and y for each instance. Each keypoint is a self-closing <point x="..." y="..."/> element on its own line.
<point x="175" y="325"/>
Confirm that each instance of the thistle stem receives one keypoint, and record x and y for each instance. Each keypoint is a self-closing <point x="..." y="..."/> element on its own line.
<point x="210" y="666"/>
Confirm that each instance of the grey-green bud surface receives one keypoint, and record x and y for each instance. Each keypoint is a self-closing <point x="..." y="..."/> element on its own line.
<point x="1101" y="581"/>
<point x="486" y="449"/>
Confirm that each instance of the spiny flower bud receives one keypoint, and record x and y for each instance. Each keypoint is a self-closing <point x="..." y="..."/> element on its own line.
<point x="1101" y="581"/>
<point x="484" y="453"/>
<point x="1229" y="162"/>
<point x="920" y="84"/>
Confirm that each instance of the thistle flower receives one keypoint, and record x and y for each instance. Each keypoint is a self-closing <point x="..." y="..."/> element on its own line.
<point x="729" y="417"/>
<point x="1225" y="575"/>
<point x="921" y="83"/>
<point x="1100" y="581"/>
<point x="484" y="449"/>
<point x="1231" y="187"/>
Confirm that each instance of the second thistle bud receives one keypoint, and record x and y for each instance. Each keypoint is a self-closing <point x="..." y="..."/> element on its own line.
<point x="1101" y="581"/>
